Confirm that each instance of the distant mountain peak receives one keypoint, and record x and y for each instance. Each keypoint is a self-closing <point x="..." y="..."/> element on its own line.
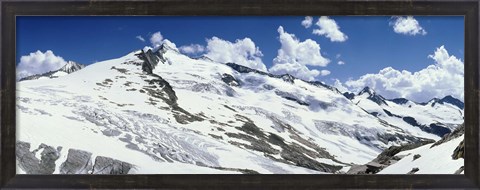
<point x="367" y="90"/>
<point x="68" y="68"/>
<point x="447" y="99"/>
<point x="71" y="67"/>
<point x="372" y="95"/>
<point x="451" y="100"/>
<point x="164" y="48"/>
<point x="400" y="101"/>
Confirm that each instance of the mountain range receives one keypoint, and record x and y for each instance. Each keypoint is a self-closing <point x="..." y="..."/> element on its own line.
<point x="68" y="68"/>
<point x="160" y="111"/>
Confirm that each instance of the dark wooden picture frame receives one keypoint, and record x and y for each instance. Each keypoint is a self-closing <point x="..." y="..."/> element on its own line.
<point x="468" y="8"/>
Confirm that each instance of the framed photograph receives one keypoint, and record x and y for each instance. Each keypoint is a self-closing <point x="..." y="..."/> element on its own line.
<point x="239" y="94"/>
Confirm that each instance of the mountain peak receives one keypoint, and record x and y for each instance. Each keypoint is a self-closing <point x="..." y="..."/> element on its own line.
<point x="451" y="100"/>
<point x="71" y="67"/>
<point x="68" y="68"/>
<point x="447" y="99"/>
<point x="400" y="101"/>
<point x="164" y="48"/>
<point x="367" y="90"/>
<point x="372" y="95"/>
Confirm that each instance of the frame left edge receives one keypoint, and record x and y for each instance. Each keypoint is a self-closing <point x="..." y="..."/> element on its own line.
<point x="7" y="75"/>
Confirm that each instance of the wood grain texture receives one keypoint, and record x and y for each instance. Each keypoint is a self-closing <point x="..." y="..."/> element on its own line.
<point x="468" y="8"/>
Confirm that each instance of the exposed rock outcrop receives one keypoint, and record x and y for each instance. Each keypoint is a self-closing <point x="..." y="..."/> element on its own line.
<point x="105" y="165"/>
<point x="386" y="158"/>
<point x="230" y="80"/>
<point x="459" y="131"/>
<point x="413" y="171"/>
<point x="77" y="162"/>
<point x="459" y="151"/>
<point x="29" y="162"/>
<point x="460" y="170"/>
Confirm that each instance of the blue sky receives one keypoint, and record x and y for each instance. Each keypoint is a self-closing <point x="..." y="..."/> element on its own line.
<point x="371" y="46"/>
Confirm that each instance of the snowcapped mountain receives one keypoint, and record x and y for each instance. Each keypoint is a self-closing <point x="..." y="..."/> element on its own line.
<point x="164" y="112"/>
<point x="68" y="68"/>
<point x="431" y="120"/>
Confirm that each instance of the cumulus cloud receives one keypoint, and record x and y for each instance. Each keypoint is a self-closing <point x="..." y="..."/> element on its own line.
<point x="295" y="69"/>
<point x="339" y="85"/>
<point x="329" y="28"/>
<point x="39" y="63"/>
<point x="307" y="22"/>
<point x="294" y="56"/>
<point x="407" y="25"/>
<point x="341" y="62"/>
<point x="242" y="51"/>
<point x="140" y="38"/>
<point x="156" y="39"/>
<point x="444" y="77"/>
<point x="324" y="72"/>
<point x="192" y="49"/>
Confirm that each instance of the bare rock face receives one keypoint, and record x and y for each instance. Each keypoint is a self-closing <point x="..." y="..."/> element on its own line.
<point x="459" y="151"/>
<point x="33" y="165"/>
<point x="413" y="171"/>
<point x="105" y="165"/>
<point x="459" y="131"/>
<point x="78" y="162"/>
<point x="460" y="170"/>
<point x="416" y="156"/>
<point x="386" y="158"/>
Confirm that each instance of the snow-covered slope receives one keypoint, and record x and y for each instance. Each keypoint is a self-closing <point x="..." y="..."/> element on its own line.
<point x="164" y="112"/>
<point x="429" y="120"/>
<point x="444" y="156"/>
<point x="68" y="68"/>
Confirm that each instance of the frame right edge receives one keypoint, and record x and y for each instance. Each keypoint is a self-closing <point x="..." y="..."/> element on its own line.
<point x="472" y="94"/>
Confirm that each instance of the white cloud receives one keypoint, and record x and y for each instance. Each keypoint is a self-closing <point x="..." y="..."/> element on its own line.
<point x="307" y="22"/>
<point x="341" y="62"/>
<point x="444" y="77"/>
<point x="140" y="38"/>
<point x="294" y="56"/>
<point x="330" y="29"/>
<point x="38" y="63"/>
<point x="338" y="56"/>
<point x="156" y="39"/>
<point x="407" y="25"/>
<point x="324" y="72"/>
<point x="192" y="49"/>
<point x="295" y="69"/>
<point x="242" y="51"/>
<point x="339" y="85"/>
